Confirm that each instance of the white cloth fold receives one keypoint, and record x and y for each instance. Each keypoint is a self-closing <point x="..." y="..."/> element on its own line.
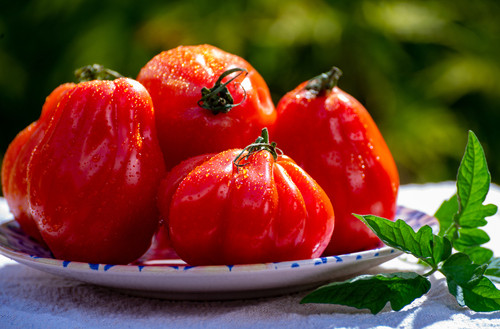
<point x="33" y="299"/>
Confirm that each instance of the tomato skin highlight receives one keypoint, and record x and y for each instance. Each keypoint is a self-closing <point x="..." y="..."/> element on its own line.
<point x="175" y="78"/>
<point x="333" y="137"/>
<point x="221" y="214"/>
<point x="161" y="247"/>
<point x="14" y="165"/>
<point x="93" y="176"/>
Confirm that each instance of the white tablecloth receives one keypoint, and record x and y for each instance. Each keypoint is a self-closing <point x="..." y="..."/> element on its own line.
<point x="34" y="299"/>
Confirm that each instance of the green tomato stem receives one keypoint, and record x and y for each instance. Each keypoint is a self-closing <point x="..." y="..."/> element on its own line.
<point x="96" y="72"/>
<point x="261" y="144"/>
<point x="325" y="81"/>
<point x="218" y="99"/>
<point x="432" y="271"/>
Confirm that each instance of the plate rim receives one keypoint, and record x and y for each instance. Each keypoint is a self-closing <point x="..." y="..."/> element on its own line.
<point x="200" y="269"/>
<point x="194" y="270"/>
<point x="213" y="282"/>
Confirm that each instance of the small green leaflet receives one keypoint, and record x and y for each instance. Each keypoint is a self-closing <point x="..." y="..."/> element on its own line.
<point x="400" y="289"/>
<point x="467" y="240"/>
<point x="468" y="271"/>
<point x="473" y="184"/>
<point x="470" y="237"/>
<point x="423" y="244"/>
<point x="460" y="216"/>
<point x="466" y="281"/>
<point x="493" y="270"/>
<point x="478" y="254"/>
<point x="445" y="215"/>
<point x="373" y="291"/>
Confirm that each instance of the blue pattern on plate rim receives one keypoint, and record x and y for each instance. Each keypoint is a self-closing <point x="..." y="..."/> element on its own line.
<point x="13" y="239"/>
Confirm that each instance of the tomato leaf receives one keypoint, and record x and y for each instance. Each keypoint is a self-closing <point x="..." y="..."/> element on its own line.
<point x="467" y="282"/>
<point x="478" y="254"/>
<point x="469" y="237"/>
<point x="493" y="270"/>
<point x="373" y="292"/>
<point x="460" y="216"/>
<point x="473" y="183"/>
<point x="469" y="241"/>
<point x="423" y="244"/>
<point x="446" y="213"/>
<point x="468" y="271"/>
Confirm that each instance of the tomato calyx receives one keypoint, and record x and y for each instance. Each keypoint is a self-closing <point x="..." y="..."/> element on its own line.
<point x="261" y="143"/>
<point x="324" y="82"/>
<point x="96" y="72"/>
<point x="218" y="99"/>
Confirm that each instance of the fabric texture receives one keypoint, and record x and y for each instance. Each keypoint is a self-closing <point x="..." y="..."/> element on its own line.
<point x="33" y="299"/>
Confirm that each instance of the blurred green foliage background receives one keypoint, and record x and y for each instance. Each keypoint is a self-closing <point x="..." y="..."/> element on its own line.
<point x="427" y="71"/>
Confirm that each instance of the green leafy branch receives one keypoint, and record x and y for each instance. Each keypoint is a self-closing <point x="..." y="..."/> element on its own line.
<point x="456" y="251"/>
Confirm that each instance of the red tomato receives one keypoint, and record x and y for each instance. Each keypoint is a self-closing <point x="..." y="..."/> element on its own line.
<point x="333" y="137"/>
<point x="14" y="180"/>
<point x="248" y="206"/>
<point x="188" y="125"/>
<point x="93" y="176"/>
<point x="161" y="247"/>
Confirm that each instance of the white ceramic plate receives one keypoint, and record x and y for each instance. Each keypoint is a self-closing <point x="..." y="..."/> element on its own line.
<point x="179" y="281"/>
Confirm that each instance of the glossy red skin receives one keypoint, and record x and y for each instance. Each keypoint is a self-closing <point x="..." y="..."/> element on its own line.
<point x="267" y="211"/>
<point x="14" y="166"/>
<point x="174" y="78"/>
<point x="93" y="178"/>
<point x="333" y="137"/>
<point x="161" y="247"/>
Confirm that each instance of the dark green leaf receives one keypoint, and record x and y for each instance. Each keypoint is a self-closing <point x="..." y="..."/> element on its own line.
<point x="372" y="292"/>
<point x="466" y="281"/>
<point x="441" y="249"/>
<point x="460" y="267"/>
<point x="466" y="271"/>
<point x="478" y="255"/>
<point x="469" y="241"/>
<point x="473" y="183"/>
<point x="445" y="214"/>
<point x="493" y="269"/>
<point x="480" y="297"/>
<point x="470" y="237"/>
<point x="422" y="244"/>
<point x="400" y="235"/>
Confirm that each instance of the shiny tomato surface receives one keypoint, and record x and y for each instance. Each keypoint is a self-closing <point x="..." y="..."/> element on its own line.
<point x="188" y="126"/>
<point x="161" y="247"/>
<point x="333" y="137"/>
<point x="14" y="165"/>
<point x="268" y="210"/>
<point x="92" y="174"/>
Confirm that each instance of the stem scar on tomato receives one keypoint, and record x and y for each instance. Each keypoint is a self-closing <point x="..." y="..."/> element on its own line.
<point x="261" y="143"/>
<point x="218" y="99"/>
